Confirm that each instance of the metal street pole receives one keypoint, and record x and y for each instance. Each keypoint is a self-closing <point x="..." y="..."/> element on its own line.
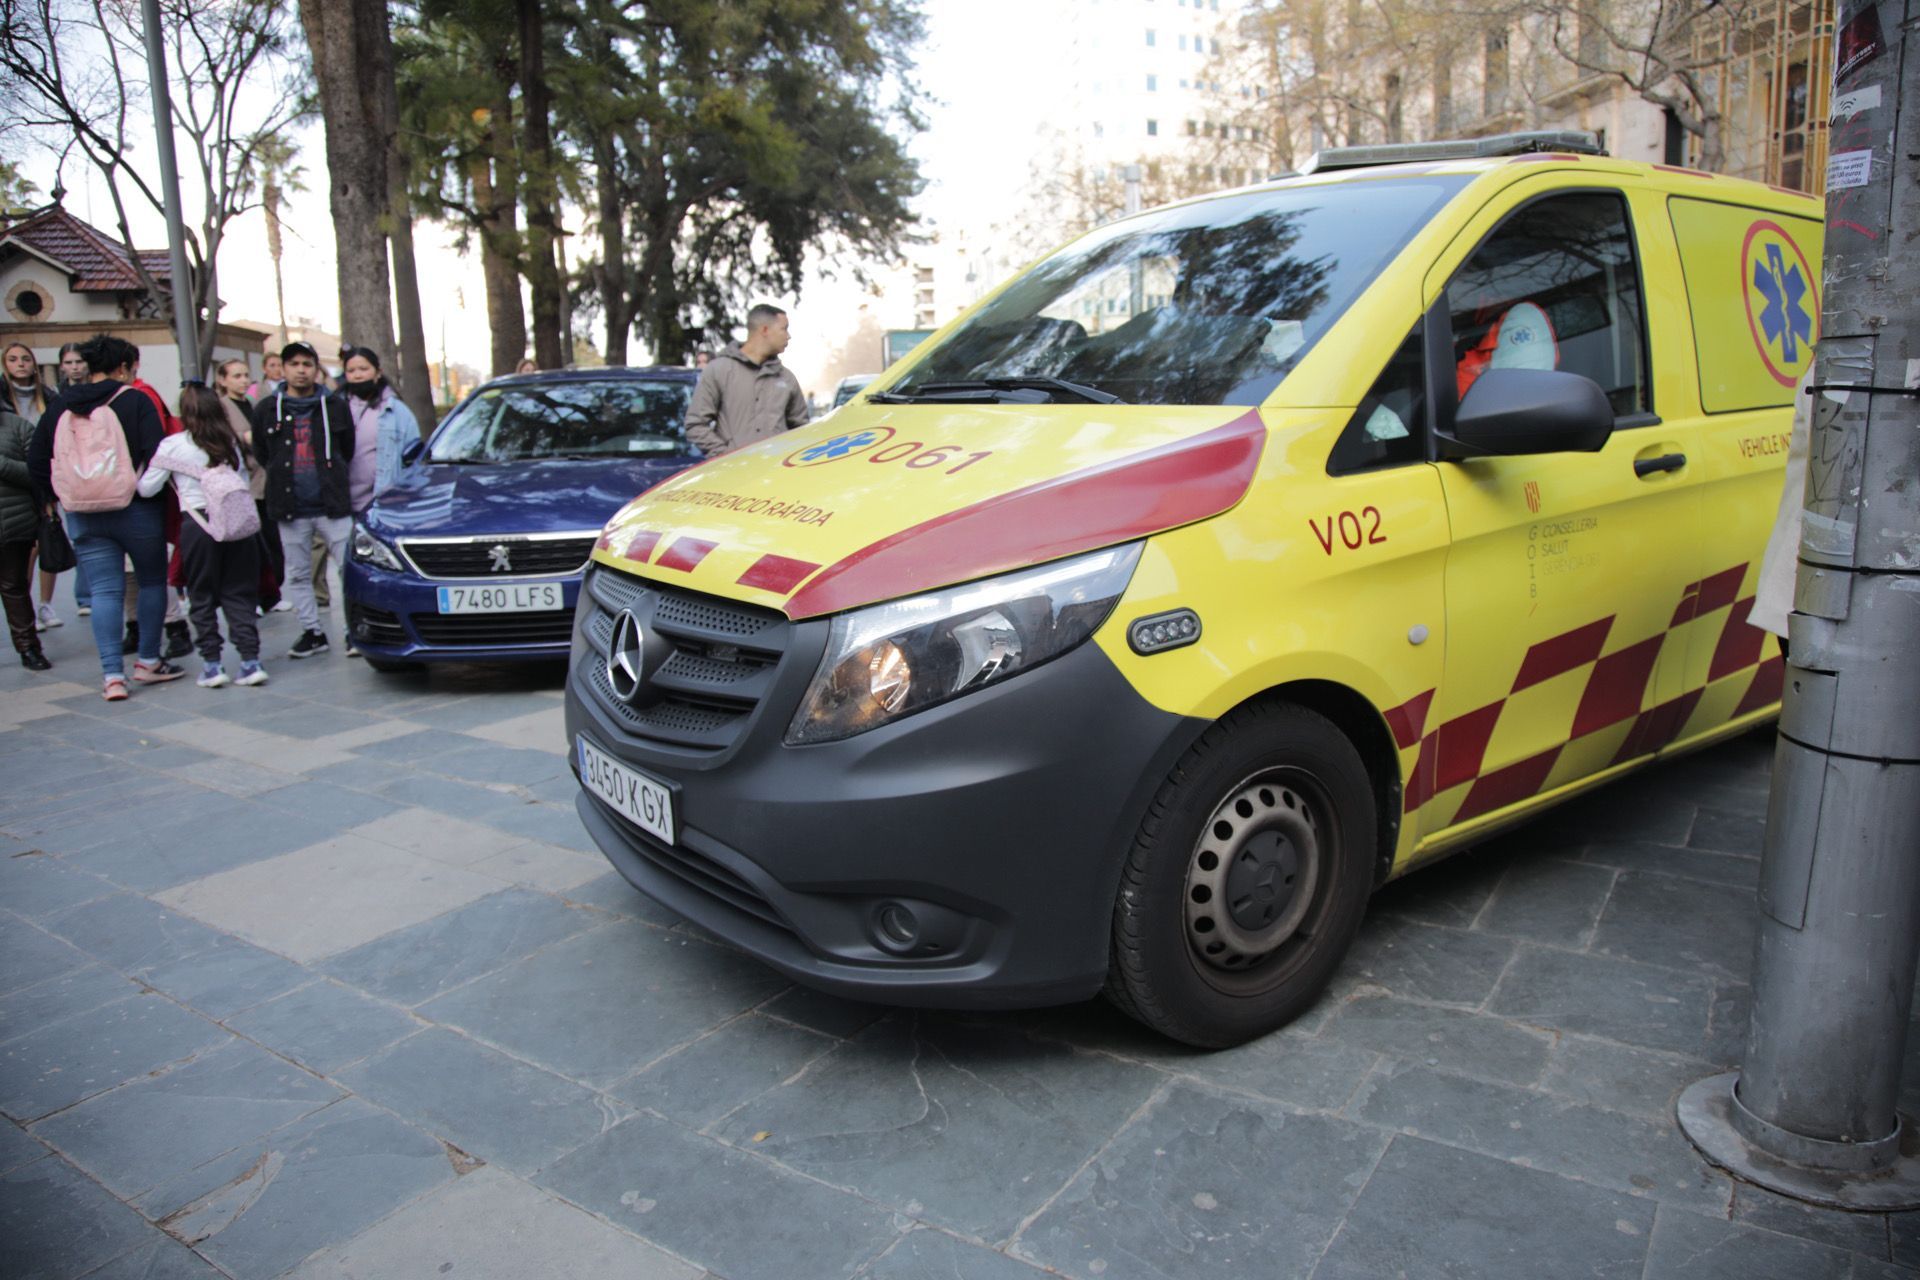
<point x="1812" y="1113"/>
<point x="185" y="335"/>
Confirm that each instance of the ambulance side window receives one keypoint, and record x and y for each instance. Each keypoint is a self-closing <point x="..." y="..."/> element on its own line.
<point x="1388" y="429"/>
<point x="1556" y="286"/>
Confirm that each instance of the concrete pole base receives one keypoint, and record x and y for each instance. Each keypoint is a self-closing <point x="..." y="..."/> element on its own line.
<point x="1710" y="1115"/>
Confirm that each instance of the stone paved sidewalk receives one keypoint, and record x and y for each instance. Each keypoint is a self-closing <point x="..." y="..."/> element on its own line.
<point x="325" y="979"/>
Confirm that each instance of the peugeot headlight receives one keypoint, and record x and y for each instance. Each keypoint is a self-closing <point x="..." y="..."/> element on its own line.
<point x="373" y="551"/>
<point x="891" y="660"/>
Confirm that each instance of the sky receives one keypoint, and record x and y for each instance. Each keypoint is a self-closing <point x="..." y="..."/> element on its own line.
<point x="985" y="65"/>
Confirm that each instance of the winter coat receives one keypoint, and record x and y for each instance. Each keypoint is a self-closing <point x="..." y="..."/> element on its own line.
<point x="1773" y="598"/>
<point x="138" y="419"/>
<point x="19" y="511"/>
<point x="738" y="402"/>
<point x="333" y="453"/>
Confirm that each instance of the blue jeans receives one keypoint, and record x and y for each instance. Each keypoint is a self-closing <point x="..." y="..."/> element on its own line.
<point x="100" y="539"/>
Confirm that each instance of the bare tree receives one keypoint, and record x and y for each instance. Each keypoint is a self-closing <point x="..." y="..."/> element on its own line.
<point x="78" y="73"/>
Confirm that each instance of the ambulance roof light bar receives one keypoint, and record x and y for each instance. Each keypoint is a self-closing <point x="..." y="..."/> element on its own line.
<point x="1576" y="141"/>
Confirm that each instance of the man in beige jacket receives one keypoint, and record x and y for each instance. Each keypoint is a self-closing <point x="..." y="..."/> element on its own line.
<point x="746" y="394"/>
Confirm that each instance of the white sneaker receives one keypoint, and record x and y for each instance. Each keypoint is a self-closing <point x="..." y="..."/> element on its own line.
<point x="285" y="606"/>
<point x="44" y="618"/>
<point x="84" y="610"/>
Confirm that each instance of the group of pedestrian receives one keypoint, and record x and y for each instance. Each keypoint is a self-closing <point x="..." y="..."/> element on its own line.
<point x="222" y="504"/>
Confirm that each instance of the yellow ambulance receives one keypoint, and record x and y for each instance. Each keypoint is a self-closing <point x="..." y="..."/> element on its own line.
<point x="1234" y="559"/>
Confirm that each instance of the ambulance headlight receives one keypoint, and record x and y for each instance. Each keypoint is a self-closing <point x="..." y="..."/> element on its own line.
<point x="893" y="659"/>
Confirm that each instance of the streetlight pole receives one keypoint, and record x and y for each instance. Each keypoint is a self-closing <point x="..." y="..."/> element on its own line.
<point x="186" y="336"/>
<point x="1812" y="1113"/>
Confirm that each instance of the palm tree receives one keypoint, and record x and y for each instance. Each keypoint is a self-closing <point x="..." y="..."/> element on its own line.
<point x="278" y="175"/>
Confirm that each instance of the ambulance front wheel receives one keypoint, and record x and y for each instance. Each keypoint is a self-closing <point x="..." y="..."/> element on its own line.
<point x="1247" y="879"/>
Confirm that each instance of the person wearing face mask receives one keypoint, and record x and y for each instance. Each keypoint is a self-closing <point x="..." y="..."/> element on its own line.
<point x="383" y="427"/>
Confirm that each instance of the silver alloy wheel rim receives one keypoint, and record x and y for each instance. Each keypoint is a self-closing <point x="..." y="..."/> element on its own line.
<point x="1252" y="875"/>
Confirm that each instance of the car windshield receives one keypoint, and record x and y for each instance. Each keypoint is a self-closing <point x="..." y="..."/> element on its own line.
<point x="1208" y="303"/>
<point x="583" y="418"/>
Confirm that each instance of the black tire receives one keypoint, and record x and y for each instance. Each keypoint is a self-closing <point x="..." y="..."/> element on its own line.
<point x="1216" y="940"/>
<point x="387" y="666"/>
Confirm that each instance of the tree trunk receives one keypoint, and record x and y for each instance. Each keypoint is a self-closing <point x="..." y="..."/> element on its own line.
<point x="613" y="247"/>
<point x="537" y="190"/>
<point x="270" y="205"/>
<point x="499" y="231"/>
<point x="415" y="385"/>
<point x="356" y="171"/>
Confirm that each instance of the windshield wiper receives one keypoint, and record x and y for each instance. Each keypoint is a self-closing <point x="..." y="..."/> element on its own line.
<point x="995" y="388"/>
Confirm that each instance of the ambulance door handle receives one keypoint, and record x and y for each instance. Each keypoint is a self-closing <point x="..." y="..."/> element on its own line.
<point x="1644" y="467"/>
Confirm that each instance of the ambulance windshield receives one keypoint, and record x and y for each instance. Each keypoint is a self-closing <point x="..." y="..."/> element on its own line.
<point x="1209" y="303"/>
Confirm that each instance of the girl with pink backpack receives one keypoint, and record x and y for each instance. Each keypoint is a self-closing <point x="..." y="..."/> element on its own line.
<point x="219" y="543"/>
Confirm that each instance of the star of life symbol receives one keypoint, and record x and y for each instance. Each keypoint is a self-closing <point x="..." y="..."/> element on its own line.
<point x="1784" y="319"/>
<point x="838" y="447"/>
<point x="499" y="563"/>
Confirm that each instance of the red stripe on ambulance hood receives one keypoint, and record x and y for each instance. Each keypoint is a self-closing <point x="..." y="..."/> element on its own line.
<point x="1162" y="488"/>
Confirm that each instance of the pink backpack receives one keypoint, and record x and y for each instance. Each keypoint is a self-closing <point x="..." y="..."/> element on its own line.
<point x="231" y="515"/>
<point x="92" y="469"/>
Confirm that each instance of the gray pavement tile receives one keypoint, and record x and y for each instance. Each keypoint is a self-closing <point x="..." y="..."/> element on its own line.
<point x="86" y="829"/>
<point x="931" y="1118"/>
<point x="1692" y="864"/>
<point x="160" y="1258"/>
<point x="62" y="805"/>
<point x="1683" y="924"/>
<point x="472" y="712"/>
<point x="308" y="720"/>
<point x="818" y="1011"/>
<point x="1287" y="1066"/>
<point x="35" y="884"/>
<point x="152" y="1129"/>
<point x="240" y="832"/>
<point x="1867" y="1269"/>
<point x="86" y="1053"/>
<point x="611" y="892"/>
<point x="1423" y="962"/>
<point x="1904" y="1232"/>
<point x="1861" y="1233"/>
<point x="458" y="799"/>
<point x="415" y="964"/>
<point x="1636" y="1004"/>
<point x="492" y="1226"/>
<point x="418" y="749"/>
<point x="554" y="824"/>
<point x="318" y="1182"/>
<point x="1726" y="1042"/>
<point x="600" y="1005"/>
<point x="324" y="1026"/>
<point x="1548" y="900"/>
<point x="1473" y="1043"/>
<point x="131" y="933"/>
<point x="717" y="1073"/>
<point x="17" y="1146"/>
<point x="328" y="897"/>
<point x="1688" y="1246"/>
<point x="929" y="1254"/>
<point x="337" y="807"/>
<point x="1742" y="834"/>
<point x="29" y="956"/>
<point x="435" y="835"/>
<point x="1207" y="1185"/>
<point x="661" y="1182"/>
<point x="517" y="766"/>
<point x="74" y="991"/>
<point x="557" y="790"/>
<point x="500" y="1109"/>
<point x="1433" y="1211"/>
<point x="360" y="775"/>
<point x="1641" y="1081"/>
<point x="227" y="978"/>
<point x="1626" y="1153"/>
<point x="55" y="1223"/>
<point x="1625" y="810"/>
<point x="1451" y="892"/>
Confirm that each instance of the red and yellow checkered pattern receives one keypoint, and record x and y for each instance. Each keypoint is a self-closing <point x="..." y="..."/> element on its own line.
<point x="1598" y="693"/>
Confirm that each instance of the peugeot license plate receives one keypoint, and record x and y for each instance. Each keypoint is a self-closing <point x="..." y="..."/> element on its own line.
<point x="644" y="802"/>
<point x="517" y="597"/>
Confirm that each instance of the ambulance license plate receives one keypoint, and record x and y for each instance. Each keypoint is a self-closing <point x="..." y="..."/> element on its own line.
<point x="519" y="597"/>
<point x="638" y="798"/>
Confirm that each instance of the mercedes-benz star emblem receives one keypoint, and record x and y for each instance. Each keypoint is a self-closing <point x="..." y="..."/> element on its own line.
<point x="500" y="562"/>
<point x="624" y="660"/>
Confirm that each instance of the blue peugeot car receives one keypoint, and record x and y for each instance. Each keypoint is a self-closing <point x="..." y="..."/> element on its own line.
<point x="476" y="554"/>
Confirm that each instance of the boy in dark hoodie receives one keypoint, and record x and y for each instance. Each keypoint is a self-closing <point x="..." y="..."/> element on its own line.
<point x="303" y="440"/>
<point x="102" y="538"/>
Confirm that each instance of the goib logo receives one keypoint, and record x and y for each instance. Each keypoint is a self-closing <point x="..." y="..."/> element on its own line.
<point x="834" y="448"/>
<point x="1783" y="300"/>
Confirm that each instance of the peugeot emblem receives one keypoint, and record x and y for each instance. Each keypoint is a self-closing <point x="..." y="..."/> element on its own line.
<point x="625" y="662"/>
<point x="500" y="562"/>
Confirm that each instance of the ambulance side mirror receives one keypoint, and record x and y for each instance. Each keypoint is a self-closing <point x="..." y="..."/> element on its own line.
<point x="1517" y="411"/>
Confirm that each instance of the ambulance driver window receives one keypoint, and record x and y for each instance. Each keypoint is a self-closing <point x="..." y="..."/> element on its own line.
<point x="1556" y="287"/>
<point x="1386" y="430"/>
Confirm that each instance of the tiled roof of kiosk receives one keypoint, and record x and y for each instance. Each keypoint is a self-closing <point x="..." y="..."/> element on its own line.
<point x="97" y="263"/>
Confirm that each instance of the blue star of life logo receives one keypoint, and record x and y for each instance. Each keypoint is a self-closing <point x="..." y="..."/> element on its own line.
<point x="1785" y="318"/>
<point x="839" y="446"/>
